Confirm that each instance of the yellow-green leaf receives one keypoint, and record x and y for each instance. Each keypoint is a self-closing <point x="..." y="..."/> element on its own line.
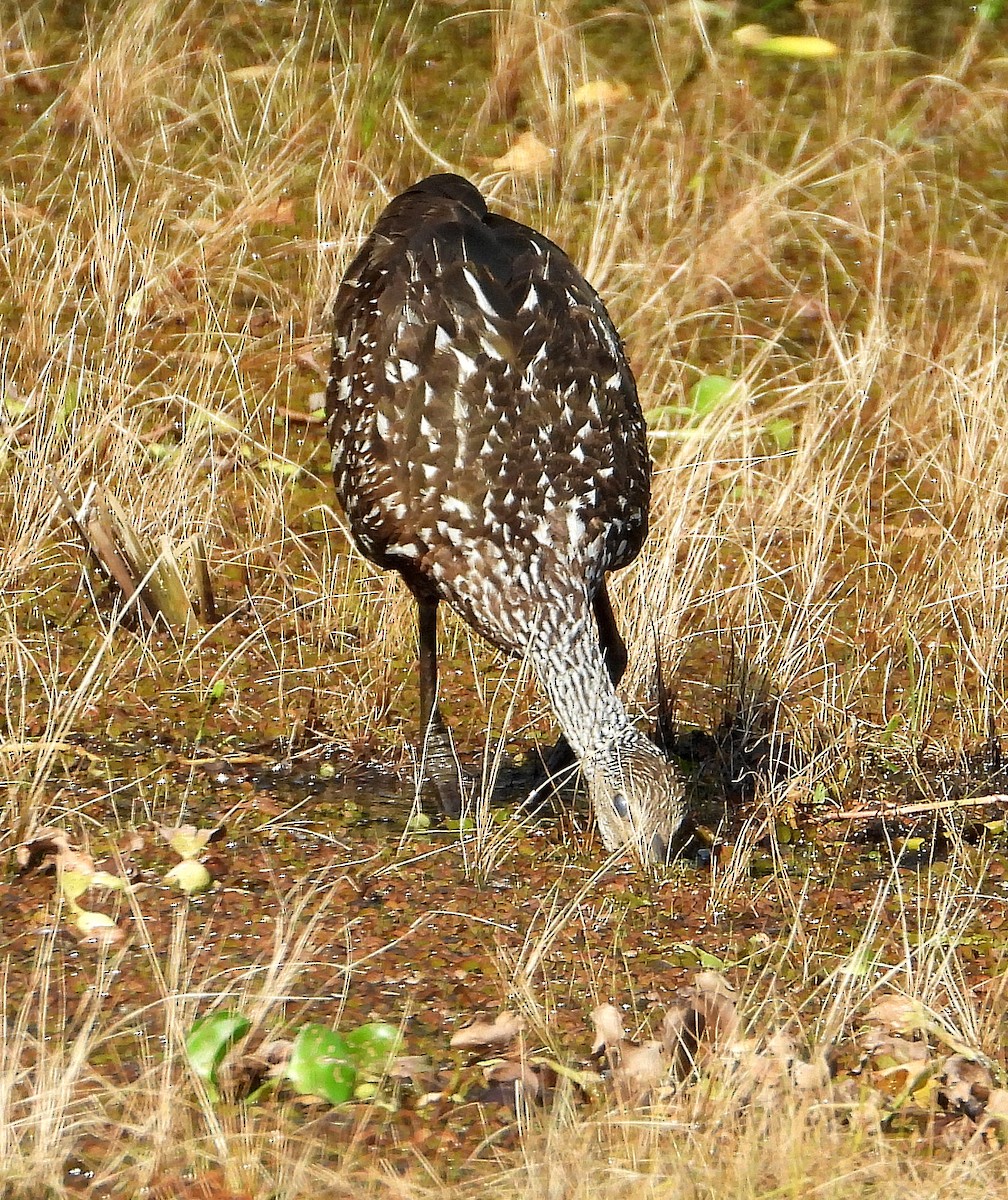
<point x="799" y="47"/>
<point x="189" y="876"/>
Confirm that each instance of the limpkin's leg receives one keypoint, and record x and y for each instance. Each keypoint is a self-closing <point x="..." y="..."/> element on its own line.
<point x="613" y="647"/>
<point x="441" y="765"/>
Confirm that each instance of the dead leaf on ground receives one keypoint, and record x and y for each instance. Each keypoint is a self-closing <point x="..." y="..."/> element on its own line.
<point x="130" y="842"/>
<point x="753" y="1072"/>
<point x="965" y="1086"/>
<point x="638" y="1070"/>
<point x="863" y="1105"/>
<point x="954" y="1134"/>
<point x="995" y="1112"/>
<point x="488" y="1035"/>
<point x="901" y="1050"/>
<point x="609" y="1028"/>
<point x="36" y="82"/>
<point x="43" y="849"/>
<point x="601" y="93"/>
<point x="307" y="357"/>
<point x="416" y="1068"/>
<point x="700" y="1019"/>
<point x="277" y="1052"/>
<point x="280" y="212"/>
<point x="900" y="1013"/>
<point x="527" y="155"/>
<point x="509" y="1082"/>
<point x="211" y="1185"/>
<point x="760" y="1069"/>
<point x="812" y="1076"/>
<point x="782" y="1048"/>
<point x="241" y="1075"/>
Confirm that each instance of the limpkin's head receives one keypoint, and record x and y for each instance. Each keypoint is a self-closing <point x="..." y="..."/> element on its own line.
<point x="638" y="800"/>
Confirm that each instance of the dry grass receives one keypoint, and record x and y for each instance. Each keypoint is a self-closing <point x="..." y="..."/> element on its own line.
<point x="175" y="217"/>
<point x="172" y="241"/>
<point x="63" y="1108"/>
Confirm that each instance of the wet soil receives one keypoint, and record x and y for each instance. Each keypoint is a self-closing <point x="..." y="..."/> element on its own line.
<point x="417" y="928"/>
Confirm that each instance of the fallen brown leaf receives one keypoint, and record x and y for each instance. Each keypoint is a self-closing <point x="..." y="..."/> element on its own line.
<point x="699" y="1019"/>
<point x="417" y="1068"/>
<point x="901" y="1050"/>
<point x="638" y="1070"/>
<point x="995" y="1114"/>
<point x="282" y="211"/>
<point x="514" y="1081"/>
<point x="965" y="1086"/>
<point x="527" y="155"/>
<point x="609" y="1029"/>
<point x="601" y="93"/>
<point x="897" y="1012"/>
<point x="42" y="850"/>
<point x="488" y="1035"/>
<point x="811" y="1076"/>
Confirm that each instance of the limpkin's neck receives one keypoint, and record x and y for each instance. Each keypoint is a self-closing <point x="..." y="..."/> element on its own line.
<point x="569" y="663"/>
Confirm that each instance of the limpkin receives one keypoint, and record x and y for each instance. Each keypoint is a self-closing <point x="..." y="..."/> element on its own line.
<point x="488" y="444"/>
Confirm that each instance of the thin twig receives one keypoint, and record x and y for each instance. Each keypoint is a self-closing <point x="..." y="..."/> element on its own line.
<point x="910" y="810"/>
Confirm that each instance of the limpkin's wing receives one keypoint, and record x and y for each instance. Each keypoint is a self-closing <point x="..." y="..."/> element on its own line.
<point x="487" y="437"/>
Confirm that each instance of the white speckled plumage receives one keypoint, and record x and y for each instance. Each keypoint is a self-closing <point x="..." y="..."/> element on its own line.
<point x="489" y="445"/>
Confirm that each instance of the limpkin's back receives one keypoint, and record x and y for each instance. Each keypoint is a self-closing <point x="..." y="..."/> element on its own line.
<point x="487" y="438"/>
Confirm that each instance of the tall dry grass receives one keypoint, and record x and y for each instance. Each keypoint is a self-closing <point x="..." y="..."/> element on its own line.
<point x="180" y="209"/>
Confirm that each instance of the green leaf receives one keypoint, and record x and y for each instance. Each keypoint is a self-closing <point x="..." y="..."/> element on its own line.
<point x="220" y="421"/>
<point x="189" y="876"/>
<point x="655" y="417"/>
<point x="209" y="1040"/>
<point x="373" y="1046"/>
<point x="863" y="961"/>
<point x="709" y="393"/>
<point x="90" y="923"/>
<point x="321" y="1065"/>
<point x="68" y="404"/>
<point x="74" y="883"/>
<point x="709" y="962"/>
<point x="186" y="840"/>
<point x="757" y="37"/>
<point x="108" y="881"/>
<point x="282" y="467"/>
<point x="782" y="432"/>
